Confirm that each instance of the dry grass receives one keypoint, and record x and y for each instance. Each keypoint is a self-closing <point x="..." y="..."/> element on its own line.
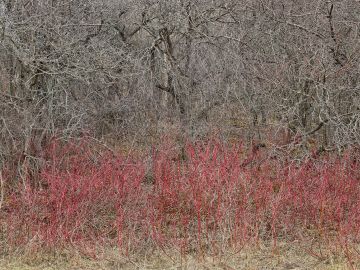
<point x="287" y="256"/>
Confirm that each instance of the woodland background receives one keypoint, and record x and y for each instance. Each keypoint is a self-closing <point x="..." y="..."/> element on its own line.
<point x="282" y="73"/>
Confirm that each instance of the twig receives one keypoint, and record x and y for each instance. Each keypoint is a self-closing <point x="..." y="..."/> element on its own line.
<point x="1" y="190"/>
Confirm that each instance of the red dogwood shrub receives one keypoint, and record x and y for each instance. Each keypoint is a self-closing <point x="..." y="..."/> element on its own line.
<point x="217" y="196"/>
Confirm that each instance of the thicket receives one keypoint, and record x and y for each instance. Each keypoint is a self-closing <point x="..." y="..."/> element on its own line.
<point x="216" y="198"/>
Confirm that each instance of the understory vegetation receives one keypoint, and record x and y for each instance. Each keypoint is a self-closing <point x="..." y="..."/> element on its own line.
<point x="212" y="198"/>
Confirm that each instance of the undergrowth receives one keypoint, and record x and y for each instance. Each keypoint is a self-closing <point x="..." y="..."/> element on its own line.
<point x="214" y="198"/>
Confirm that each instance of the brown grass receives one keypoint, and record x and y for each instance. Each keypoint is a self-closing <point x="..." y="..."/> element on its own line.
<point x="287" y="256"/>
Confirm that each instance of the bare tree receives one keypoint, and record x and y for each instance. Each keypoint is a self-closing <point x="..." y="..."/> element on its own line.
<point x="125" y="69"/>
